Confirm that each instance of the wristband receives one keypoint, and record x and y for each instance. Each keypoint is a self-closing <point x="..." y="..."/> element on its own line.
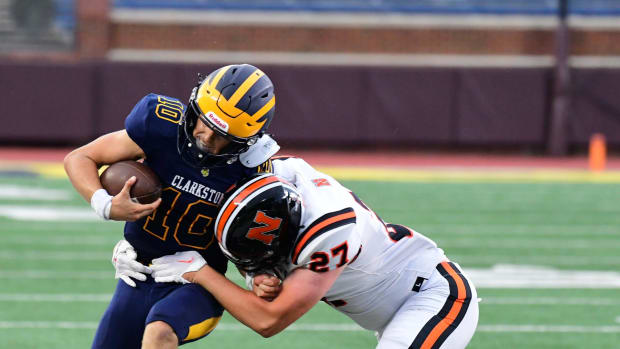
<point x="101" y="202"/>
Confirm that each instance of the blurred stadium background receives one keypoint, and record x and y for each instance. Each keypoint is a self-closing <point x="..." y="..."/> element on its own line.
<point x="476" y="122"/>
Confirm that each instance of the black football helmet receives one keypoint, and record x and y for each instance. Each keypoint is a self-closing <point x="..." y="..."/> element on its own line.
<point x="258" y="224"/>
<point x="236" y="102"/>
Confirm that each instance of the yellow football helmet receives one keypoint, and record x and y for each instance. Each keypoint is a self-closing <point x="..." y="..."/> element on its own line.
<point x="236" y="102"/>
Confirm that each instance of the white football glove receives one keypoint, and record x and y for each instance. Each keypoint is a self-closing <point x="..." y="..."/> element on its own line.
<point x="124" y="261"/>
<point x="172" y="267"/>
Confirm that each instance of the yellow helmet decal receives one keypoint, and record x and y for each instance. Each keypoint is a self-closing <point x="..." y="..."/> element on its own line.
<point x="249" y="82"/>
<point x="262" y="111"/>
<point x="223" y="113"/>
<point x="213" y="82"/>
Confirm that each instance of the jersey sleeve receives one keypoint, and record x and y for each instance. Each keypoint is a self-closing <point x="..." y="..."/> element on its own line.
<point x="153" y="121"/>
<point x="330" y="242"/>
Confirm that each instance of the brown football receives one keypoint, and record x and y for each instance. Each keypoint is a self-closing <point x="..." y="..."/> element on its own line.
<point x="145" y="190"/>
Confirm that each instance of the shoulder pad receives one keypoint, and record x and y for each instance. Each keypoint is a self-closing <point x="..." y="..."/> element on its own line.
<point x="259" y="152"/>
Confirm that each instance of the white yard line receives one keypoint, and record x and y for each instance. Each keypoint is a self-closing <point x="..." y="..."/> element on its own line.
<point x="48" y="324"/>
<point x="17" y="192"/>
<point x="456" y="226"/>
<point x="525" y="227"/>
<point x="62" y="240"/>
<point x="549" y="301"/>
<point x="500" y="230"/>
<point x="43" y="213"/>
<point x="524" y="276"/>
<point x="79" y="228"/>
<point x="325" y="327"/>
<point x="56" y="275"/>
<point x="509" y="243"/>
<point x="498" y="276"/>
<point x="562" y="260"/>
<point x="55" y="255"/>
<point x="548" y="328"/>
<point x="444" y="242"/>
<point x="105" y="297"/>
<point x="47" y="297"/>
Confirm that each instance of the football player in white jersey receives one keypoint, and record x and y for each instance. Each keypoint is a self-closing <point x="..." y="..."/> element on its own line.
<point x="326" y="244"/>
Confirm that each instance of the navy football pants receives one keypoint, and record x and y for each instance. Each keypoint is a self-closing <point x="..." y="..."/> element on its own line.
<point x="189" y="309"/>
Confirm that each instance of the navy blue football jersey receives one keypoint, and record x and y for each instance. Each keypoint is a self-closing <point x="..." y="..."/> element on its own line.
<point x="190" y="197"/>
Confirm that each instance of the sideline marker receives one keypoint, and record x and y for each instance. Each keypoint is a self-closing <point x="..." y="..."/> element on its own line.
<point x="598" y="152"/>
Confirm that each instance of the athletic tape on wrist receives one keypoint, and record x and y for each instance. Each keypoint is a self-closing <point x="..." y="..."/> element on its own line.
<point x="101" y="202"/>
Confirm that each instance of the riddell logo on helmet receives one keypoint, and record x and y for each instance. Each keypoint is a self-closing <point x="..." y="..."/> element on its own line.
<point x="221" y="124"/>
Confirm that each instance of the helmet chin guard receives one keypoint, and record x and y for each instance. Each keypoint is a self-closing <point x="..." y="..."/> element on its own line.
<point x="259" y="152"/>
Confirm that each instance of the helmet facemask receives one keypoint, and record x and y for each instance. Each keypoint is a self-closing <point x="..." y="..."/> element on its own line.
<point x="190" y="151"/>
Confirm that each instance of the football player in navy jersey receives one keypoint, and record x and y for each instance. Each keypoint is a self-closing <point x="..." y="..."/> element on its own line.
<point x="198" y="151"/>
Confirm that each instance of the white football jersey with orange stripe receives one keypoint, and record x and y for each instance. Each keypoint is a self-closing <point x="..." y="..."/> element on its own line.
<point x="383" y="261"/>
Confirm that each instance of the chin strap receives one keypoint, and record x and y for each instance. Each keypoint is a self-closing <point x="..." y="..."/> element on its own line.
<point x="259" y="152"/>
<point x="249" y="281"/>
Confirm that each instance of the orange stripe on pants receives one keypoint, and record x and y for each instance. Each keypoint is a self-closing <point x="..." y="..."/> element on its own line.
<point x="454" y="311"/>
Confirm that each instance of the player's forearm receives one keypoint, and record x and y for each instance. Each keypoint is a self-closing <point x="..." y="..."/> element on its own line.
<point x="83" y="173"/>
<point x="266" y="318"/>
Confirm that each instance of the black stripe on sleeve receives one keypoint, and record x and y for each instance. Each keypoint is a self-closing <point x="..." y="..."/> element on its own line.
<point x="315" y="234"/>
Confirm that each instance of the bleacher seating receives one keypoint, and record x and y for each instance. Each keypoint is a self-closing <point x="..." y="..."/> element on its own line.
<point x="58" y="33"/>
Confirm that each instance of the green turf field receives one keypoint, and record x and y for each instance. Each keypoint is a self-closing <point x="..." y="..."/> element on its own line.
<point x="56" y="278"/>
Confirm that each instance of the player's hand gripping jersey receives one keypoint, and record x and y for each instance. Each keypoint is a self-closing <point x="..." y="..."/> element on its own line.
<point x="183" y="221"/>
<point x="382" y="260"/>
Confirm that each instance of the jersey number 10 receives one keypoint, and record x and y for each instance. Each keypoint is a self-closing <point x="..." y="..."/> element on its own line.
<point x="189" y="228"/>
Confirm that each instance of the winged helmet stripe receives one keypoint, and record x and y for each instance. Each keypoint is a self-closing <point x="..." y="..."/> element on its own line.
<point x="245" y="86"/>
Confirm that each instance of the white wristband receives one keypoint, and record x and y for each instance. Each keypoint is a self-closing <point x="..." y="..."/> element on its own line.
<point x="101" y="202"/>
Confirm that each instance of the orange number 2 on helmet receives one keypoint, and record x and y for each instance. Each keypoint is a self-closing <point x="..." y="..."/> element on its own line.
<point x="269" y="225"/>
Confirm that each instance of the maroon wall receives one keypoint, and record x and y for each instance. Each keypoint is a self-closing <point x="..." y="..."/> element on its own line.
<point x="595" y="105"/>
<point x="502" y="106"/>
<point x="323" y="106"/>
<point x="42" y="103"/>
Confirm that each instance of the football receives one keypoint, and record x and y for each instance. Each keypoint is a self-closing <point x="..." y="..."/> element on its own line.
<point x="145" y="190"/>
